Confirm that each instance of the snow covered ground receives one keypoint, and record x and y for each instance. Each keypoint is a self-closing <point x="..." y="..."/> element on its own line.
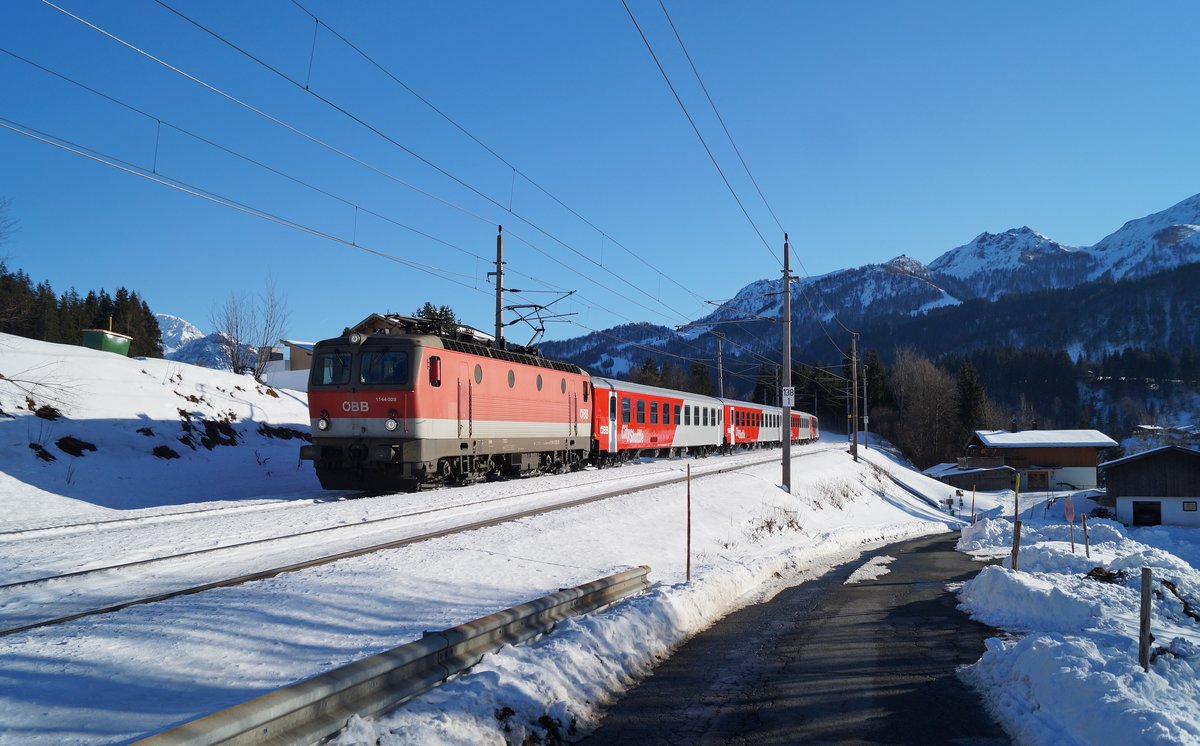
<point x="1068" y="672"/>
<point x="117" y="677"/>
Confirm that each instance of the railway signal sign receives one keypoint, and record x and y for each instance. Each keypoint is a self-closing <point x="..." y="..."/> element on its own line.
<point x="789" y="396"/>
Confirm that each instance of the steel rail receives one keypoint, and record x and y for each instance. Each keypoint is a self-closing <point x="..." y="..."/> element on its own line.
<point x="327" y="559"/>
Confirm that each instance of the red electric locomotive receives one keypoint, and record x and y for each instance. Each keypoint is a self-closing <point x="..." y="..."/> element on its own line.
<point x="409" y="406"/>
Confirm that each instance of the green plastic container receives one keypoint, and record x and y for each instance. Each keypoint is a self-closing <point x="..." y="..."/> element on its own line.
<point x="102" y="339"/>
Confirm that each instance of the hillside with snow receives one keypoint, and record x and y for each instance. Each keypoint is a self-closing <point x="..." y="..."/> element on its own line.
<point x="93" y="432"/>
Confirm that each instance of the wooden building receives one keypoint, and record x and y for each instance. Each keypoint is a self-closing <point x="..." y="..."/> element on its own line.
<point x="1046" y="459"/>
<point x="1156" y="487"/>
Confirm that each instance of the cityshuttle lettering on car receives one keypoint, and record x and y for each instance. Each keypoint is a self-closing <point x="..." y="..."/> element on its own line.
<point x="633" y="436"/>
<point x="355" y="406"/>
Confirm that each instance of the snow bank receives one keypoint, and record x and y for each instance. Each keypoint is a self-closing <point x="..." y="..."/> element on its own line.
<point x="1071" y="673"/>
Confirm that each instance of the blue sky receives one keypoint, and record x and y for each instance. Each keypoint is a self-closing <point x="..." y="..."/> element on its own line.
<point x="872" y="129"/>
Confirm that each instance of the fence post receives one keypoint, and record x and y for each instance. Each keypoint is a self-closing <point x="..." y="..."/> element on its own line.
<point x="1016" y="550"/>
<point x="689" y="523"/>
<point x="1144" y="633"/>
<point x="1087" y="549"/>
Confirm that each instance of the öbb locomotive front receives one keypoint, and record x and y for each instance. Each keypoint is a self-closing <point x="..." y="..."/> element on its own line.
<point x="410" y="406"/>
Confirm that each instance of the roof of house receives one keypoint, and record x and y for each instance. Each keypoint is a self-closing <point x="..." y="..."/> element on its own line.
<point x="1044" y="439"/>
<point x="937" y="471"/>
<point x="1151" y="452"/>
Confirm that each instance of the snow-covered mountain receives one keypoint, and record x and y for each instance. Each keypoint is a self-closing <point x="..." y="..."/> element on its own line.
<point x="184" y="342"/>
<point x="176" y="332"/>
<point x="1157" y="242"/>
<point x="883" y="299"/>
<point x="1022" y="260"/>
<point x="1019" y="260"/>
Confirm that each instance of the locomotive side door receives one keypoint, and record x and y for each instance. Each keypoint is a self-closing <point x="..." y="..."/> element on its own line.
<point x="464" y="401"/>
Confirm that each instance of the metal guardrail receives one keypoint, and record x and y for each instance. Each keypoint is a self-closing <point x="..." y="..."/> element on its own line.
<point x="318" y="707"/>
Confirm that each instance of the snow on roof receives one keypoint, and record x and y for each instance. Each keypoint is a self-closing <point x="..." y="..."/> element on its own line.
<point x="1045" y="438"/>
<point x="1151" y="452"/>
<point x="937" y="471"/>
<point x="302" y="345"/>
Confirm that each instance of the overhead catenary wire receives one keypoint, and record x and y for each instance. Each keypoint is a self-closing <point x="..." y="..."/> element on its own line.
<point x="699" y="135"/>
<point x="517" y="171"/>
<point x="355" y="159"/>
<point x="195" y="191"/>
<point x="388" y="138"/>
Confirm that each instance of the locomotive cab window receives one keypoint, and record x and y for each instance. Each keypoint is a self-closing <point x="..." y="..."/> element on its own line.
<point x="384" y="367"/>
<point x="331" y="369"/>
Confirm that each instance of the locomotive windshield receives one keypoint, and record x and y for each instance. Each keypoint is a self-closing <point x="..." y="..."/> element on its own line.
<point x="384" y="367"/>
<point x="331" y="369"/>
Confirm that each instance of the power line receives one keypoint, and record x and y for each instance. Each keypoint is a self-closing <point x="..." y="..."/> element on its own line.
<point x="720" y="119"/>
<point x="195" y="191"/>
<point x="696" y="129"/>
<point x="461" y="182"/>
<point x="516" y="170"/>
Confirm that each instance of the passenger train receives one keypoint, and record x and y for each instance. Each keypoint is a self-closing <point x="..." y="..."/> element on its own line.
<point x="407" y="407"/>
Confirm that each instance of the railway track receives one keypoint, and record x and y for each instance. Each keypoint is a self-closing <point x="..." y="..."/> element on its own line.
<point x="64" y="587"/>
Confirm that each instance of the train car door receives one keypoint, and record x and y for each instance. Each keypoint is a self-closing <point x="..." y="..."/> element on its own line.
<point x="464" y="401"/>
<point x="612" y="421"/>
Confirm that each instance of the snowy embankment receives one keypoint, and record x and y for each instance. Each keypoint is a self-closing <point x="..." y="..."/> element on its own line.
<point x="1068" y="671"/>
<point x="119" y="676"/>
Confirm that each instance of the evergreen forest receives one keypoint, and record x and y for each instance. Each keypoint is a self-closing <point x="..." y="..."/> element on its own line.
<point x="37" y="312"/>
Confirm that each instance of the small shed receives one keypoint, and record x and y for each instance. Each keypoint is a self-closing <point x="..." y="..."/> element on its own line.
<point x="1156" y="487"/>
<point x="965" y="476"/>
<point x="1046" y="459"/>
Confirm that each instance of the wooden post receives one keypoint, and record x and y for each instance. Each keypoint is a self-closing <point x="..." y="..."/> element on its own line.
<point x="973" y="503"/>
<point x="1144" y="633"/>
<point x="689" y="523"/>
<point x="1017" y="500"/>
<point x="1087" y="549"/>
<point x="1016" y="550"/>
<point x="1072" y="537"/>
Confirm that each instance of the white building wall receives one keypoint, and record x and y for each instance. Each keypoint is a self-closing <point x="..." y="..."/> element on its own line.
<point x="1083" y="477"/>
<point x="1173" y="513"/>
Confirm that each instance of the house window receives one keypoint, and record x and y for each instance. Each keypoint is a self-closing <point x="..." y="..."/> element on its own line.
<point x="1189" y="506"/>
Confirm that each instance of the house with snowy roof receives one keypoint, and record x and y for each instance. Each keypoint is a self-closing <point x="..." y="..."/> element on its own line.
<point x="1045" y="459"/>
<point x="1159" y="486"/>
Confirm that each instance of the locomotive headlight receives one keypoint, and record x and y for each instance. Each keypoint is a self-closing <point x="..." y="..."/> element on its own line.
<point x="323" y="424"/>
<point x="391" y="424"/>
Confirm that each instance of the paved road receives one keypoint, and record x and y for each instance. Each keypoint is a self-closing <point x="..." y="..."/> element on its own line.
<point x="824" y="662"/>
